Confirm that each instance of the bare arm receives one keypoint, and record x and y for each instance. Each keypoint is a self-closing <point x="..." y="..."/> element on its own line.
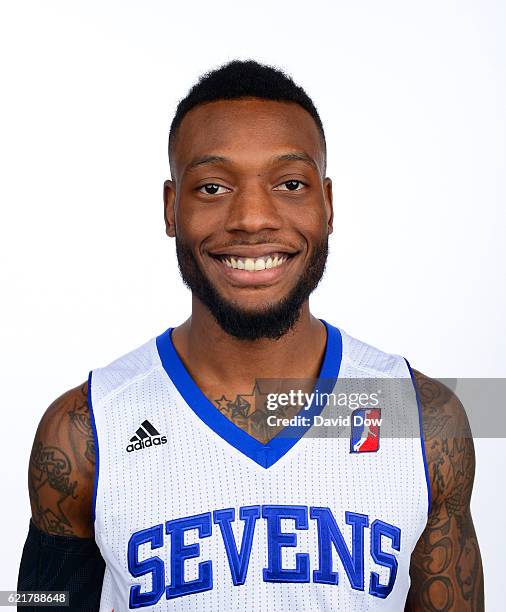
<point x="62" y="467"/>
<point x="446" y="570"/>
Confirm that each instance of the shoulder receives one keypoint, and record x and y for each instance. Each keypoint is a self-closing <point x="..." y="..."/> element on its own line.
<point x="370" y="360"/>
<point x="448" y="442"/>
<point x="442" y="412"/>
<point x="62" y="466"/>
<point x="129" y="367"/>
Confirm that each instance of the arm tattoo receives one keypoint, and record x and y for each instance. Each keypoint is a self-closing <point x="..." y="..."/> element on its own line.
<point x="49" y="480"/>
<point x="446" y="570"/>
<point x="80" y="418"/>
<point x="62" y="466"/>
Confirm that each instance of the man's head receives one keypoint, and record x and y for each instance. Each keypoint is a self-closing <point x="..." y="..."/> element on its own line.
<point x="248" y="190"/>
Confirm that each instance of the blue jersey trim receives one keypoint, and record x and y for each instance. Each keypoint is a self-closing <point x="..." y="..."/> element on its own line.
<point x="95" y="440"/>
<point x="419" y="403"/>
<point x="265" y="455"/>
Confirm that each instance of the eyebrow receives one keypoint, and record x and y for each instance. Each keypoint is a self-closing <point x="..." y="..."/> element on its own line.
<point x="214" y="159"/>
<point x="297" y="156"/>
<point x="205" y="159"/>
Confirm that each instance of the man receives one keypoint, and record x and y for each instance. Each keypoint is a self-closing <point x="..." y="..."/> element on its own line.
<point x="170" y="462"/>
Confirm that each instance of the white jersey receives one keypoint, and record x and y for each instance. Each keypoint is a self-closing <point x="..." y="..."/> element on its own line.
<point x="192" y="513"/>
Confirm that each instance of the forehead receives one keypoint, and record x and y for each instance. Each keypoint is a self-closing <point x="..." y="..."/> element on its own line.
<point x="248" y="131"/>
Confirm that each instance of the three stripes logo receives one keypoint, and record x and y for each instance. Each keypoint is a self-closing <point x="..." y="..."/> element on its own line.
<point x="145" y="436"/>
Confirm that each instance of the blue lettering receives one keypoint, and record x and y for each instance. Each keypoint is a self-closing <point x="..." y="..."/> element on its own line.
<point x="238" y="562"/>
<point x="179" y="552"/>
<point x="331" y="541"/>
<point x="328" y="534"/>
<point x="153" y="565"/>
<point x="276" y="540"/>
<point x="378" y="529"/>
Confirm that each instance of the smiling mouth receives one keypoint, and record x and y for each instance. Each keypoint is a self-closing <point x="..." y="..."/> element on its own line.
<point x="254" y="264"/>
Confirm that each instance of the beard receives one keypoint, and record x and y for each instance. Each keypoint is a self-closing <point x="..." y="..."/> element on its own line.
<point x="273" y="320"/>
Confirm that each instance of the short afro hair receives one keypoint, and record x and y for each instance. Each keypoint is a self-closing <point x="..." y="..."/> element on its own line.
<point x="244" y="79"/>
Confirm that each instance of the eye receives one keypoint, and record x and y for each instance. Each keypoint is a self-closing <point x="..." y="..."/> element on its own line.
<point x="211" y="189"/>
<point x="291" y="185"/>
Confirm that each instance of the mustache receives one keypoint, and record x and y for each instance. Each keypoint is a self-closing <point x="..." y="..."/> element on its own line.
<point x="251" y="243"/>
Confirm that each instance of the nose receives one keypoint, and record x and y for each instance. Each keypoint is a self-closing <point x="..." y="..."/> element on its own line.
<point x="252" y="210"/>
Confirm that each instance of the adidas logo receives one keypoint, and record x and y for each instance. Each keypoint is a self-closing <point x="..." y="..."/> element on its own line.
<point x="145" y="436"/>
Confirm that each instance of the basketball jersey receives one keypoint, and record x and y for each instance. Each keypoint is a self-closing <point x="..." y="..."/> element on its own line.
<point x="192" y="513"/>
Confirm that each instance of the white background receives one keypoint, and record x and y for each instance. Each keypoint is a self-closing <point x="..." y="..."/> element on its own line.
<point x="412" y="96"/>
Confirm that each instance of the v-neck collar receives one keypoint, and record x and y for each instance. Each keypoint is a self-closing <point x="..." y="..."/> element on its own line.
<point x="267" y="454"/>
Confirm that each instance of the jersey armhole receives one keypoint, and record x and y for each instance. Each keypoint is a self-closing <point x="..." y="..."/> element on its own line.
<point x="422" y="441"/>
<point x="95" y="441"/>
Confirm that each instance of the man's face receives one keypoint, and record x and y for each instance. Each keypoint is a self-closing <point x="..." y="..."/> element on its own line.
<point x="250" y="211"/>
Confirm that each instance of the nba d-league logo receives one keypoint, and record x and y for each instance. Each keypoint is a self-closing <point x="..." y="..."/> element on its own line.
<point x="144" y="437"/>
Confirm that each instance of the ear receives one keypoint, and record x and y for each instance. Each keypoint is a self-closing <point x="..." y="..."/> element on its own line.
<point x="329" y="206"/>
<point x="169" y="200"/>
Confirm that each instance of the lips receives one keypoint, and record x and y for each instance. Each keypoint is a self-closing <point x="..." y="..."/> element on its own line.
<point x="253" y="266"/>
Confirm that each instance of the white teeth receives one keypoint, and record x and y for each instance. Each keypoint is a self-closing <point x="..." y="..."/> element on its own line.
<point x="254" y="264"/>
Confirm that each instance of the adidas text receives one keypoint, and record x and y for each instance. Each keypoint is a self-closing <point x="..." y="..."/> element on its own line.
<point x="155" y="441"/>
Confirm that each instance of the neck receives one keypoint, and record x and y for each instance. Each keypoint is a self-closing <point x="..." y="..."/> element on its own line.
<point x="226" y="369"/>
<point x="213" y="354"/>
